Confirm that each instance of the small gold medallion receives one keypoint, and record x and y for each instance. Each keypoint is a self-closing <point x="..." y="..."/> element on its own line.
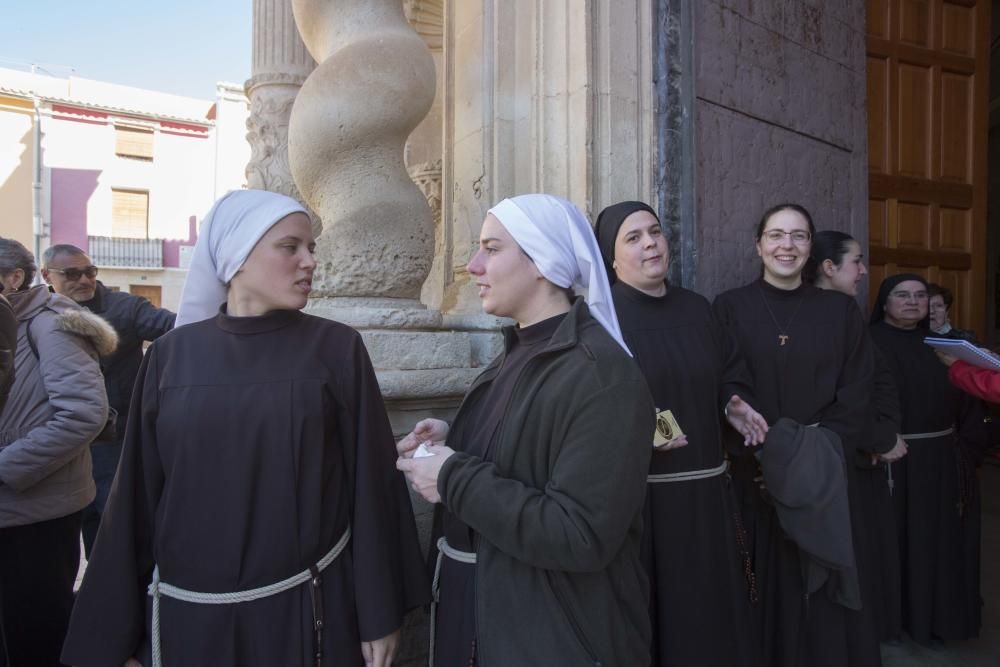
<point x="667" y="428"/>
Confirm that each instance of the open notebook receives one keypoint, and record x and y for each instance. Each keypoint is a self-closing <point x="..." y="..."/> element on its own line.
<point x="966" y="351"/>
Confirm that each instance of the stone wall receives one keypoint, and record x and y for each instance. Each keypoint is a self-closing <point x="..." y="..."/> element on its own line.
<point x="779" y="115"/>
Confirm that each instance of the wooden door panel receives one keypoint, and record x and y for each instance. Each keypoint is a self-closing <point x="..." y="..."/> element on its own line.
<point x="878" y="18"/>
<point x="956" y="127"/>
<point x="914" y="229"/>
<point x="878" y="221"/>
<point x="958" y="283"/>
<point x="928" y="98"/>
<point x="913" y="121"/>
<point x="878" y="115"/>
<point x="915" y="22"/>
<point x="955" y="229"/>
<point x="876" y="274"/>
<point x="957" y="29"/>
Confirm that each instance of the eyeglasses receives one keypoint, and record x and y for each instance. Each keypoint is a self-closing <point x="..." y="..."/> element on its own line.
<point x="906" y="296"/>
<point x="799" y="237"/>
<point x="76" y="274"/>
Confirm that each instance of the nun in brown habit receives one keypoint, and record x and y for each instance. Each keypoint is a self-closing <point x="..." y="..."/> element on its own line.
<point x="936" y="486"/>
<point x="256" y="517"/>
<point x="694" y="547"/>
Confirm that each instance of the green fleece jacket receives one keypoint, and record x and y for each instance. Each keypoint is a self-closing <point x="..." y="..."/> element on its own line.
<point x="559" y="512"/>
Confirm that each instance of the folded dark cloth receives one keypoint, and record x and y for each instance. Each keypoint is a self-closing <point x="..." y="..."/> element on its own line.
<point x="806" y="477"/>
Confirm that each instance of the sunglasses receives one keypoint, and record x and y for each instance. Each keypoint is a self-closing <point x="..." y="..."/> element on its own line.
<point x="76" y="274"/>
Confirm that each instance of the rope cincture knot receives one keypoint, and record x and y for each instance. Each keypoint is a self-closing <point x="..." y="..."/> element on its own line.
<point x="444" y="549"/>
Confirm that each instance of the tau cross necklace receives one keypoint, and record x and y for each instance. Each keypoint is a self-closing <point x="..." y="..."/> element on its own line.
<point x="783" y="337"/>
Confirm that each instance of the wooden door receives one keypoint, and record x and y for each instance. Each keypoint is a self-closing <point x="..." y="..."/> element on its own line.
<point x="928" y="92"/>
<point x="152" y="292"/>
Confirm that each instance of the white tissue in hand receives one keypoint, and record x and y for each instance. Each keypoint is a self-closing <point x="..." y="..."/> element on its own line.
<point x="422" y="450"/>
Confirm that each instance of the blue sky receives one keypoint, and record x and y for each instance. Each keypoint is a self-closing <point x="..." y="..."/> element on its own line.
<point x="178" y="46"/>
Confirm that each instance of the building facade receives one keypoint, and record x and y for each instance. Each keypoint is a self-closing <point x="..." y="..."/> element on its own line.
<point x="870" y="113"/>
<point x="121" y="172"/>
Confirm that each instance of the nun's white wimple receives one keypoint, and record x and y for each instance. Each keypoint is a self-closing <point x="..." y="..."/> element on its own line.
<point x="558" y="238"/>
<point x="230" y="231"/>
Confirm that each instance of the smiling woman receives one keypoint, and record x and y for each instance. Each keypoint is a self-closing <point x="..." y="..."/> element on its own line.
<point x="811" y="363"/>
<point x="257" y="456"/>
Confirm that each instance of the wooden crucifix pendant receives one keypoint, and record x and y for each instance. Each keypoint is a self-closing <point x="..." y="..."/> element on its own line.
<point x="782" y="339"/>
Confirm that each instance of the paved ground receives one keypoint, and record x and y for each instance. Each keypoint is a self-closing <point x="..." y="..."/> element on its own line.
<point x="985" y="651"/>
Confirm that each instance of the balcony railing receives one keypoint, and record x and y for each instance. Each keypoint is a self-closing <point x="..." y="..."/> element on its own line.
<point x="117" y="251"/>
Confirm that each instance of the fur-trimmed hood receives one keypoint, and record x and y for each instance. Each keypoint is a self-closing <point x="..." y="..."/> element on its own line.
<point x="88" y="325"/>
<point x="71" y="317"/>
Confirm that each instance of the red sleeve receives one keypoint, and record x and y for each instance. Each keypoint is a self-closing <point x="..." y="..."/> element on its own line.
<point x="980" y="382"/>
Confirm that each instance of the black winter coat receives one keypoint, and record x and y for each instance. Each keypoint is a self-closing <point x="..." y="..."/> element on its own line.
<point x="136" y="320"/>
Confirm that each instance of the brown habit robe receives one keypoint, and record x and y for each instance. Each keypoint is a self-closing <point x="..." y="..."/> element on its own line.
<point x="252" y="443"/>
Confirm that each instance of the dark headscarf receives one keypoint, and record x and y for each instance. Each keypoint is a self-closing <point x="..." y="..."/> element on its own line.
<point x="609" y="222"/>
<point x="889" y="284"/>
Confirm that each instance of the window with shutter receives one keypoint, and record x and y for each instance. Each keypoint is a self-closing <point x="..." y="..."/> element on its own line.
<point x="133" y="142"/>
<point x="129" y="214"/>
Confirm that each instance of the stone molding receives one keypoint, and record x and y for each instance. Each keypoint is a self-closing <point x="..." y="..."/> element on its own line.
<point x="556" y="98"/>
<point x="427" y="18"/>
<point x="623" y="95"/>
<point x="273" y="78"/>
<point x="281" y="64"/>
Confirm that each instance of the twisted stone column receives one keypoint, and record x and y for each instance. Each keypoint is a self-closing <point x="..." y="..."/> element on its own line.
<point x="374" y="83"/>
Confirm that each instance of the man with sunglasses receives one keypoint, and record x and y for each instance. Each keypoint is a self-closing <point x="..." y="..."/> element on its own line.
<point x="69" y="271"/>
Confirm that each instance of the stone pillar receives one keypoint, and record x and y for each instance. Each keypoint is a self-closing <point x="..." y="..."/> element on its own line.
<point x="374" y="83"/>
<point x="281" y="64"/>
<point x="552" y="97"/>
<point x="424" y="147"/>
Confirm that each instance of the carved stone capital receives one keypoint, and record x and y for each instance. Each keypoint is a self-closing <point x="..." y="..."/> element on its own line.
<point x="267" y="133"/>
<point x="273" y="79"/>
<point x="427" y="176"/>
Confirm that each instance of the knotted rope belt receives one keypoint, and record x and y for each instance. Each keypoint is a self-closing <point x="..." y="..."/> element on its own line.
<point x="928" y="436"/>
<point x="444" y="549"/>
<point x="913" y="436"/>
<point x="158" y="588"/>
<point x="689" y="475"/>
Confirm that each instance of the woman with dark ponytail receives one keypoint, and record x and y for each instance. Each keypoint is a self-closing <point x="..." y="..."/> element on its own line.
<point x="837" y="263"/>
